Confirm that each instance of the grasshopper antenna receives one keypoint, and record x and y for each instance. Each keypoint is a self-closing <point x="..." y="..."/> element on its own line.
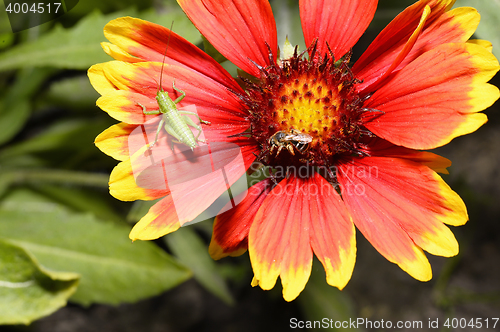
<point x="164" y="55"/>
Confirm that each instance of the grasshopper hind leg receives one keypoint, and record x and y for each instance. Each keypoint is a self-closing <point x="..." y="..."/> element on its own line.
<point x="195" y="114"/>
<point x="191" y="123"/>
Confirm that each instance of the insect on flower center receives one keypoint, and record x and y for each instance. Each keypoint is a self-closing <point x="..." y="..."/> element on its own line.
<point x="307" y="111"/>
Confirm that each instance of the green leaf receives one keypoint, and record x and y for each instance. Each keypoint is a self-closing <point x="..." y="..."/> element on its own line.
<point x="490" y="20"/>
<point x="193" y="253"/>
<point x="27" y="290"/>
<point x="15" y="108"/>
<point x="13" y="118"/>
<point x="36" y="176"/>
<point x="112" y="268"/>
<point x="72" y="93"/>
<point x="72" y="134"/>
<point x="6" y="39"/>
<point x="75" y="48"/>
<point x="79" y="47"/>
<point x="319" y="300"/>
<point x="82" y="200"/>
<point x="4" y="22"/>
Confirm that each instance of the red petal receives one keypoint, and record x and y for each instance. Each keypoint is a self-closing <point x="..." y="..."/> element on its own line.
<point x="138" y="84"/>
<point x="161" y="167"/>
<point x="442" y="27"/>
<point x="148" y="42"/>
<point x="332" y="233"/>
<point x="377" y="147"/>
<point x="231" y="228"/>
<point x="241" y="30"/>
<point x="337" y="23"/>
<point x="195" y="180"/>
<point x="433" y="99"/>
<point x="279" y="240"/>
<point x="400" y="206"/>
<point x="249" y="149"/>
<point x="401" y="56"/>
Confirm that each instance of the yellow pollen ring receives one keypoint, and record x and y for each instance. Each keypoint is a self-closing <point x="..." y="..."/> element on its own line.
<point x="308" y="107"/>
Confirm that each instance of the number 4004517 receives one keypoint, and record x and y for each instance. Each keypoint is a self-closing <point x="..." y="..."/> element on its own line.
<point x="37" y="8"/>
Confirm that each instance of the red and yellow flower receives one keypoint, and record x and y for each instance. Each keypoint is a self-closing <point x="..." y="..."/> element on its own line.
<point x="419" y="84"/>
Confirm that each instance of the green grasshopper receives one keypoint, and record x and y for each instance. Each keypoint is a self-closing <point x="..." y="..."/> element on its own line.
<point x="175" y="121"/>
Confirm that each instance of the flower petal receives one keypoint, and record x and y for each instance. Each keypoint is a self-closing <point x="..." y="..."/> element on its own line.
<point x="377" y="147"/>
<point x="117" y="53"/>
<point x="241" y="30"/>
<point x="126" y="106"/>
<point x="337" y="23"/>
<point x="138" y="40"/>
<point x="230" y="235"/>
<point x="136" y="85"/>
<point x="145" y="78"/>
<point x="98" y="79"/>
<point x="403" y="54"/>
<point x="195" y="179"/>
<point x="122" y="185"/>
<point x="400" y="206"/>
<point x="484" y="43"/>
<point x="279" y="240"/>
<point x="442" y="26"/>
<point x="160" y="220"/>
<point x="114" y="141"/>
<point x="332" y="233"/>
<point x="435" y="98"/>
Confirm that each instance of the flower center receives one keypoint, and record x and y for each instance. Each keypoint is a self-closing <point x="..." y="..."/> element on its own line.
<point x="306" y="111"/>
